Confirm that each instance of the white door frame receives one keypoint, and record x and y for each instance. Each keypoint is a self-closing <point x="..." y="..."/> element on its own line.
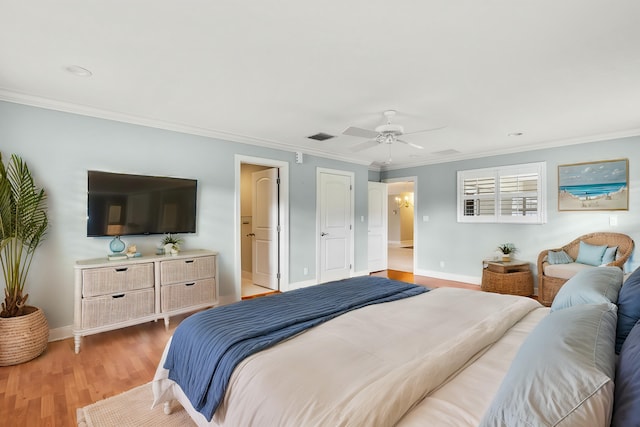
<point x="351" y="176"/>
<point x="284" y="220"/>
<point x="413" y="179"/>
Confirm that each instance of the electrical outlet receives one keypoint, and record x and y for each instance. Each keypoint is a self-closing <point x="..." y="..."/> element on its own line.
<point x="441" y="264"/>
<point x="305" y="271"/>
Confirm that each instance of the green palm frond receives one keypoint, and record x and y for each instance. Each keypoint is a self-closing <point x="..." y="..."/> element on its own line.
<point x="23" y="226"/>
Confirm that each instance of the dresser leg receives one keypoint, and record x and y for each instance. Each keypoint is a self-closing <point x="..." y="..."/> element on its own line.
<point x="166" y="323"/>
<point x="76" y="340"/>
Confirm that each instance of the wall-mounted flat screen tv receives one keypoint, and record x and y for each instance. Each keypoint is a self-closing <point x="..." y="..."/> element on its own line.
<point x="122" y="204"/>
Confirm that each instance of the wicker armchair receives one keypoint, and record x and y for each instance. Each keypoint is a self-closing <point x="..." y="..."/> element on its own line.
<point x="549" y="286"/>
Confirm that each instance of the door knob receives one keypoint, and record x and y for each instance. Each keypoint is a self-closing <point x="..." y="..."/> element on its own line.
<point x="251" y="235"/>
<point x="324" y="234"/>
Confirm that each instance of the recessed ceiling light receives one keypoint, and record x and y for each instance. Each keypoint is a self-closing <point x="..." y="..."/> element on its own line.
<point x="515" y="134"/>
<point x="78" y="71"/>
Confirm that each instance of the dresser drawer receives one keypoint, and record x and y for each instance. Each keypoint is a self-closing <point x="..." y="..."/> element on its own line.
<point x="115" y="308"/>
<point x="109" y="280"/>
<point x="180" y="295"/>
<point x="187" y="270"/>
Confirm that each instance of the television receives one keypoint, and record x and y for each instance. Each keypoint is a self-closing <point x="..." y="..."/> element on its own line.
<point x="122" y="204"/>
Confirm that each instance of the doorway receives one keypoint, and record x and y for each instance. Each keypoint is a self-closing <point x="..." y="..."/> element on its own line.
<point x="262" y="226"/>
<point x="401" y="225"/>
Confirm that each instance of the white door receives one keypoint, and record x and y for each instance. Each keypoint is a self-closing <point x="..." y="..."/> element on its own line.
<point x="377" y="242"/>
<point x="264" y="210"/>
<point x="335" y="225"/>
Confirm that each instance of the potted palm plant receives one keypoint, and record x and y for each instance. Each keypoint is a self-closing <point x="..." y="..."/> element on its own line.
<point x="24" y="331"/>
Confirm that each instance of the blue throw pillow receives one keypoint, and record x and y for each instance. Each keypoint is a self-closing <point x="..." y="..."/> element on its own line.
<point x="609" y="255"/>
<point x="628" y="307"/>
<point x="590" y="254"/>
<point x="559" y="257"/>
<point x="626" y="404"/>
<point x="564" y="369"/>
<point x="590" y="286"/>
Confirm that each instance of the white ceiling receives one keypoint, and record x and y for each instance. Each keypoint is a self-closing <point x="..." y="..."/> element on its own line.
<point x="274" y="72"/>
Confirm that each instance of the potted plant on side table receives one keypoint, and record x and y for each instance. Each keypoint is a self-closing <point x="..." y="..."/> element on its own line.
<point x="507" y="249"/>
<point x="24" y="331"/>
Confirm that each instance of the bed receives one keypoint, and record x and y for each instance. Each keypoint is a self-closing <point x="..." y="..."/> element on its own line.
<point x="443" y="357"/>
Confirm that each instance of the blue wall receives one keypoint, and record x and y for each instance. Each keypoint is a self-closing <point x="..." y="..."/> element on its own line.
<point x="462" y="246"/>
<point x="60" y="147"/>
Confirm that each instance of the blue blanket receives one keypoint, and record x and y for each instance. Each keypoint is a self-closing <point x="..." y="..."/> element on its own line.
<point x="206" y="347"/>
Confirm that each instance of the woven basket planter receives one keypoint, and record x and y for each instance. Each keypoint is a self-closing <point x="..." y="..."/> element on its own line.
<point x="23" y="338"/>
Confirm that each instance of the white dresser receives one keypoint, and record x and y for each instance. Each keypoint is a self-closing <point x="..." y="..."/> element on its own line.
<point x="115" y="294"/>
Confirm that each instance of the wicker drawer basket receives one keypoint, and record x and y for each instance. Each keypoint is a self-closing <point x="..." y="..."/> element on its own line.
<point x="110" y="309"/>
<point x="109" y="280"/>
<point x="187" y="270"/>
<point x="179" y="295"/>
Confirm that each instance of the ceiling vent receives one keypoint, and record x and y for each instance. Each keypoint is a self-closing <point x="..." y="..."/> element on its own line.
<point x="321" y="136"/>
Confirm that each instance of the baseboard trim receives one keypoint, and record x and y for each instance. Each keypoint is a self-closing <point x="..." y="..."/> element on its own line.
<point x="59" y="334"/>
<point x="300" y="285"/>
<point x="474" y="280"/>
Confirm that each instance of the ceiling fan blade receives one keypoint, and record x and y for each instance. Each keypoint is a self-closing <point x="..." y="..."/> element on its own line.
<point x="424" y="130"/>
<point x="411" y="144"/>
<point x="363" y="146"/>
<point x="359" y="132"/>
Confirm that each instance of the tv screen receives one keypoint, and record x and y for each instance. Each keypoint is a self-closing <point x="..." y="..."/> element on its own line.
<point x="121" y="204"/>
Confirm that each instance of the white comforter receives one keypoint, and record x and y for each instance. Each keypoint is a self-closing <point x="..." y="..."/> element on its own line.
<point x="367" y="367"/>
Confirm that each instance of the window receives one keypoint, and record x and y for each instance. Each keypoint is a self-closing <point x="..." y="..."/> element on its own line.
<point x="513" y="194"/>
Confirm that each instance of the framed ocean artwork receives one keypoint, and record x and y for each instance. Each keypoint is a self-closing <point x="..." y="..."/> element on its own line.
<point x="594" y="186"/>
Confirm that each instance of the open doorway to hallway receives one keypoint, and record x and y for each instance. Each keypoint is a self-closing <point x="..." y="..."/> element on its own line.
<point x="254" y="258"/>
<point x="401" y="226"/>
<point x="268" y="226"/>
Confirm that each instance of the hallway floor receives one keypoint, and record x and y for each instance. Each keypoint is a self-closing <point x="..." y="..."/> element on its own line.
<point x="251" y="290"/>
<point x="400" y="258"/>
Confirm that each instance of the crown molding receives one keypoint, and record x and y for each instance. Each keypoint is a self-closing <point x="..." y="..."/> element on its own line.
<point x="518" y="149"/>
<point x="84" y="110"/>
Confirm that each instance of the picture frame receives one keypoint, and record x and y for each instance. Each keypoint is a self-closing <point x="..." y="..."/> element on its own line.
<point x="594" y="186"/>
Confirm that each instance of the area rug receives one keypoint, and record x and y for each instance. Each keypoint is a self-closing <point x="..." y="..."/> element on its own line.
<point x="132" y="409"/>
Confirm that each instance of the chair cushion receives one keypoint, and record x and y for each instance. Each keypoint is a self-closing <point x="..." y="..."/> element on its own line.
<point x="590" y="286"/>
<point x="590" y="254"/>
<point x="626" y="405"/>
<point x="559" y="257"/>
<point x="564" y="271"/>
<point x="628" y="307"/>
<point x="562" y="374"/>
<point x="609" y="255"/>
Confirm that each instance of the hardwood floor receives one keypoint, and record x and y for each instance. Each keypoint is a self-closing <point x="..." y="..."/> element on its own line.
<point x="47" y="390"/>
<point x="430" y="282"/>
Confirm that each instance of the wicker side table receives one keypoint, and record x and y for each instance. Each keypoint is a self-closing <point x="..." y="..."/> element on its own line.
<point x="511" y="277"/>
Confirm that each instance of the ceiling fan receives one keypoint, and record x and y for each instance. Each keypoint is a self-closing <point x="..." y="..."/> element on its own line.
<point x="387" y="133"/>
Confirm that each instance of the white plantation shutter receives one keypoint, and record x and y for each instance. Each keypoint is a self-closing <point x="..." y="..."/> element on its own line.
<point x="479" y="195"/>
<point x="503" y="194"/>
